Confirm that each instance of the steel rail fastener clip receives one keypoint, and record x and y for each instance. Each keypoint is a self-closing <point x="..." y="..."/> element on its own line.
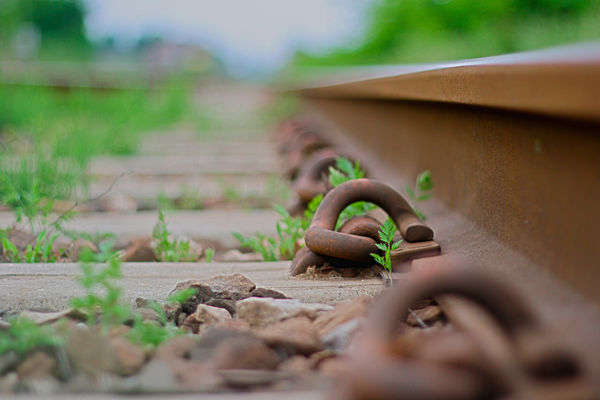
<point x="356" y="241"/>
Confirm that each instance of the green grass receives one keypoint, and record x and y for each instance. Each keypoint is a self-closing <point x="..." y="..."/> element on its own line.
<point x="40" y="251"/>
<point x="104" y="306"/>
<point x="24" y="335"/>
<point x="31" y="184"/>
<point x="169" y="248"/>
<point x="47" y="138"/>
<point x="82" y="123"/>
<point x="209" y="254"/>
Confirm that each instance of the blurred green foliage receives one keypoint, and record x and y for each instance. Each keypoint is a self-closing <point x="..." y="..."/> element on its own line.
<point x="435" y="30"/>
<point x="59" y="23"/>
<point x="48" y="136"/>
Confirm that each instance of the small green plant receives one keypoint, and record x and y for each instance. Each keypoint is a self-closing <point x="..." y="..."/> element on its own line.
<point x="168" y="248"/>
<point x="290" y="230"/>
<point x="24" y="335"/>
<point x="31" y="185"/>
<point x="102" y="300"/>
<point x="259" y="243"/>
<point x="345" y="171"/>
<point x="230" y="193"/>
<point x="10" y="251"/>
<point x="104" y="306"/>
<point x="151" y="334"/>
<point x="189" y="199"/>
<point x="209" y="254"/>
<point x="387" y="245"/>
<point x="163" y="202"/>
<point x="421" y="192"/>
<point x="41" y="251"/>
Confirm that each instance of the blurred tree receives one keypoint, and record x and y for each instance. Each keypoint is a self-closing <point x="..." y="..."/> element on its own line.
<point x="56" y="19"/>
<point x="60" y="23"/>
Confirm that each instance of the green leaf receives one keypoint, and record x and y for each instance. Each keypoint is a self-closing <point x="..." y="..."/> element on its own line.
<point x="281" y="210"/>
<point x="425" y="181"/>
<point x="424" y="197"/>
<point x="336" y="177"/>
<point x="381" y="246"/>
<point x="344" y="165"/>
<point x="181" y="296"/>
<point x="379" y="259"/>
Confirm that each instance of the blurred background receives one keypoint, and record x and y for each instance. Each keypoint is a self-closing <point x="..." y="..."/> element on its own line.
<point x="80" y="79"/>
<point x="263" y="36"/>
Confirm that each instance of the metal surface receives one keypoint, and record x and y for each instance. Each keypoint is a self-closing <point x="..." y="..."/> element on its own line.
<point x="559" y="82"/>
<point x="530" y="181"/>
<point x="312" y="176"/>
<point x="297" y="140"/>
<point x="322" y="239"/>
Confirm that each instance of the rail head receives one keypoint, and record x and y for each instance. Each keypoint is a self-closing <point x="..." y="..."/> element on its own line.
<point x="561" y="82"/>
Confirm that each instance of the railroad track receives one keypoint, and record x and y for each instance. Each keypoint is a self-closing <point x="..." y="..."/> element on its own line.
<point x="512" y="145"/>
<point x="511" y="142"/>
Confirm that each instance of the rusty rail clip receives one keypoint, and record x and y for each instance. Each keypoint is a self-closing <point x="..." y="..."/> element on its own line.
<point x="362" y="226"/>
<point x="310" y="181"/>
<point x="322" y="239"/>
<point x="357" y="238"/>
<point x="534" y="363"/>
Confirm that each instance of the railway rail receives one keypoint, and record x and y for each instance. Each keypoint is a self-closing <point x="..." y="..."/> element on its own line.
<point x="513" y="143"/>
<point x="507" y="253"/>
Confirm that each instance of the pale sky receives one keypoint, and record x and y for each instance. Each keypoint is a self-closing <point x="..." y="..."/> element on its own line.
<point x="247" y="34"/>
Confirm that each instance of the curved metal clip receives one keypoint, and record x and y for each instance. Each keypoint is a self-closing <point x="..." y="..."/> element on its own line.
<point x="322" y="239"/>
<point x="310" y="182"/>
<point x="361" y="226"/>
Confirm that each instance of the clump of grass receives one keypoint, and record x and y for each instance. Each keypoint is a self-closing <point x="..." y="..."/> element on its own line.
<point x="209" y="254"/>
<point x="421" y="192"/>
<point x="152" y="335"/>
<point x="259" y="243"/>
<point x="32" y="184"/>
<point x="24" y="335"/>
<point x="102" y="300"/>
<point x="387" y="245"/>
<point x="168" y="248"/>
<point x="58" y="133"/>
<point x="103" y="305"/>
<point x="41" y="251"/>
<point x="290" y="231"/>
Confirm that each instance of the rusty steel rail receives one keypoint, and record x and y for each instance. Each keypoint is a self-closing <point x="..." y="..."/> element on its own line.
<point x="513" y="144"/>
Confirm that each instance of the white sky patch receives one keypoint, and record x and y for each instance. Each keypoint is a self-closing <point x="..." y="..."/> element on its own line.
<point x="247" y="34"/>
